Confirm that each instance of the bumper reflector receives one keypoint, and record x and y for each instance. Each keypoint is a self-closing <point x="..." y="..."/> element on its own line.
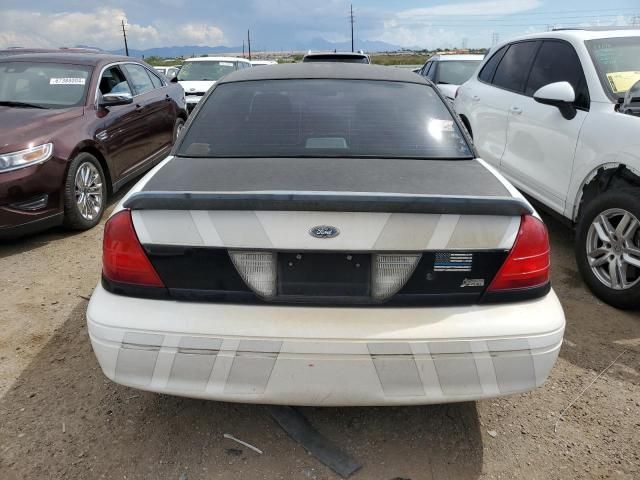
<point x="391" y="272"/>
<point x="258" y="270"/>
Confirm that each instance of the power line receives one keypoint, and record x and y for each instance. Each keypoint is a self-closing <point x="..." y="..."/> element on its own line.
<point x="525" y="14"/>
<point x="467" y="25"/>
<point x="553" y="17"/>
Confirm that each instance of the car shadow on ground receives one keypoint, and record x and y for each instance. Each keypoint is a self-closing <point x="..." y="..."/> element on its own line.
<point x="62" y="416"/>
<point x="38" y="240"/>
<point x="596" y="333"/>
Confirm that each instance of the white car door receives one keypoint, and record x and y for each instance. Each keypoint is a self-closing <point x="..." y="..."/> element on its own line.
<point x="541" y="143"/>
<point x="485" y="107"/>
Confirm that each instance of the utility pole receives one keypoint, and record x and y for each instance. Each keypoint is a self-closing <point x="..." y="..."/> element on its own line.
<point x="249" y="43"/>
<point x="351" y="20"/>
<point x="124" y="33"/>
<point x="495" y="38"/>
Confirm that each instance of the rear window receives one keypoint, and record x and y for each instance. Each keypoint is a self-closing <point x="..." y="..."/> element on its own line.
<point x="206" y="70"/>
<point x="456" y="72"/>
<point x="43" y="85"/>
<point x="320" y="118"/>
<point x="336" y="58"/>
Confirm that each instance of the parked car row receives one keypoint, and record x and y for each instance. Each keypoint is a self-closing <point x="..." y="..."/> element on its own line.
<point x="169" y="72"/>
<point x="75" y="128"/>
<point x="558" y="114"/>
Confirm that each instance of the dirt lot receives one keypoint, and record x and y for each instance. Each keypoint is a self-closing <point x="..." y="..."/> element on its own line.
<point x="62" y="419"/>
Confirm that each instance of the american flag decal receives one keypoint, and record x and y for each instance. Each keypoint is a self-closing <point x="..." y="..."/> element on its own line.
<point x="453" y="262"/>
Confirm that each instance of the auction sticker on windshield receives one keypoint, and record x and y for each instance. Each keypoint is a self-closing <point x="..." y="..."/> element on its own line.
<point x="67" y="81"/>
<point x="622" y="81"/>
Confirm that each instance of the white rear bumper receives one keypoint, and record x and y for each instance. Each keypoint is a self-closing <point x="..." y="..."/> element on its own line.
<point x="325" y="356"/>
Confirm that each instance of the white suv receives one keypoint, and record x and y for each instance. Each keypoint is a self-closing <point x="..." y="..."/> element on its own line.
<point x="555" y="112"/>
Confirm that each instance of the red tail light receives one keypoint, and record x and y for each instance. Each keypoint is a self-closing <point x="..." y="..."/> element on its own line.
<point x="123" y="259"/>
<point x="528" y="262"/>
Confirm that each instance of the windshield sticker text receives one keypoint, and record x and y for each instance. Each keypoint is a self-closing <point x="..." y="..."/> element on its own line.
<point x="67" y="81"/>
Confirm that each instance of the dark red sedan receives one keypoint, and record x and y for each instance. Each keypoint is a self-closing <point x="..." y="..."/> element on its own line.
<point x="74" y="128"/>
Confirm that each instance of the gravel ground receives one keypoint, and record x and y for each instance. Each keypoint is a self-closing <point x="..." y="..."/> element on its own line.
<point x="62" y="419"/>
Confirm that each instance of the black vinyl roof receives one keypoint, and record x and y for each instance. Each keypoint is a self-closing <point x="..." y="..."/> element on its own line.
<point x="322" y="70"/>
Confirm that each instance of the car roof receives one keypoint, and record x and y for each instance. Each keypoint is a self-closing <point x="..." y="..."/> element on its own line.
<point x="454" y="57"/>
<point x="76" y="58"/>
<point x="216" y="59"/>
<point x="578" y="34"/>
<point x="321" y="70"/>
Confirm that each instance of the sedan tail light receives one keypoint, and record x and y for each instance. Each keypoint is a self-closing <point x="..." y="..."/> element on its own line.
<point x="123" y="258"/>
<point x="528" y="262"/>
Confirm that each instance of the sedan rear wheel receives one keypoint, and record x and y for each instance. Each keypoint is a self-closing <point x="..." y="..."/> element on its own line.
<point x="608" y="247"/>
<point x="85" y="192"/>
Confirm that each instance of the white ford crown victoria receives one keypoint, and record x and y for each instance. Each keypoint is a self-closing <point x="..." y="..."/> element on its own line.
<point x="324" y="235"/>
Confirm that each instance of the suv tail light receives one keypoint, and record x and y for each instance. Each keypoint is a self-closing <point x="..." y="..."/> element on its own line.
<point x="528" y="262"/>
<point x="123" y="258"/>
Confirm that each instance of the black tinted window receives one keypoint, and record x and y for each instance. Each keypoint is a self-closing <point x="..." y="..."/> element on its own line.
<point x="558" y="62"/>
<point x="336" y="58"/>
<point x="320" y="118"/>
<point x="486" y="74"/>
<point x="514" y="66"/>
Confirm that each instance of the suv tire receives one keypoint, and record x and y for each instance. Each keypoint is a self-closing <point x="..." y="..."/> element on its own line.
<point x="608" y="247"/>
<point x="85" y="192"/>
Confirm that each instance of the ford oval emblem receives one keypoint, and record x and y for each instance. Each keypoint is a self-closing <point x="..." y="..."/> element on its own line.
<point x="324" y="231"/>
<point x="192" y="89"/>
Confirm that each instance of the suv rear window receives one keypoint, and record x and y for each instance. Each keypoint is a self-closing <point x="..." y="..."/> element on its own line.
<point x="320" y="118"/>
<point x="489" y="69"/>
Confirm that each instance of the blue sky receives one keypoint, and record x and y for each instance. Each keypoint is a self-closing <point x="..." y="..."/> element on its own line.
<point x="282" y="24"/>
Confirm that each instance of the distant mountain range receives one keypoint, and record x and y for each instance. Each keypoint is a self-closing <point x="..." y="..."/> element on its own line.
<point x="315" y="44"/>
